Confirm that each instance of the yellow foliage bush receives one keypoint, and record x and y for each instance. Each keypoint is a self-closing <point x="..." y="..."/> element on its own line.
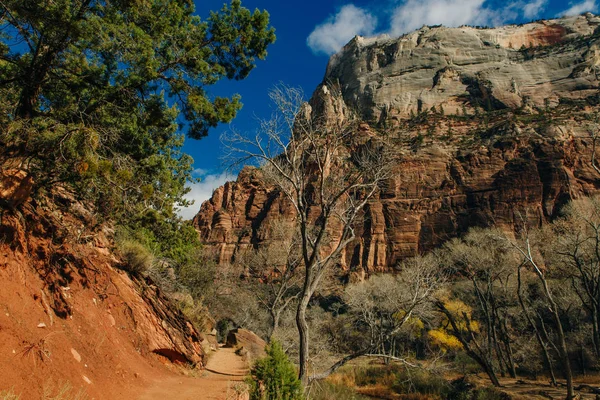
<point x="463" y="315"/>
<point x="444" y="340"/>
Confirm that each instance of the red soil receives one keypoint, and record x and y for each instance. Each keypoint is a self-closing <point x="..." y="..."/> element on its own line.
<point x="223" y="370"/>
<point x="69" y="317"/>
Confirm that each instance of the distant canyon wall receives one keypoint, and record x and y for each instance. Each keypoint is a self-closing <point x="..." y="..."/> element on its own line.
<point x="491" y="127"/>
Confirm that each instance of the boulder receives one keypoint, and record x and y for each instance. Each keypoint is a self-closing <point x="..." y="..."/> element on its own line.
<point x="247" y="342"/>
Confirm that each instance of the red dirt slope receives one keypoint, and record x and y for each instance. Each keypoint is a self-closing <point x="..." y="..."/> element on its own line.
<point x="68" y="316"/>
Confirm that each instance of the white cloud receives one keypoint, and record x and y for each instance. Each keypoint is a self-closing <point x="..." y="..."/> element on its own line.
<point x="534" y="9"/>
<point x="413" y="14"/>
<point x="407" y="15"/>
<point x="202" y="191"/>
<point x="333" y="34"/>
<point x="580" y="8"/>
<point x="199" y="172"/>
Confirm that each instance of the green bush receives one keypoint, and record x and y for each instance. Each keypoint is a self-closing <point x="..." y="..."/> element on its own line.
<point x="274" y="377"/>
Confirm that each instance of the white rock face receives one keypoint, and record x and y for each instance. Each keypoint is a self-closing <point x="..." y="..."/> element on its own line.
<point x="532" y="65"/>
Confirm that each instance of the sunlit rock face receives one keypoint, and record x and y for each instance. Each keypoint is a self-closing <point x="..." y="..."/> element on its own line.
<point x="507" y="67"/>
<point x="491" y="127"/>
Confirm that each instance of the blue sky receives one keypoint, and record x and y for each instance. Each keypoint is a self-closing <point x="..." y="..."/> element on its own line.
<point x="309" y="31"/>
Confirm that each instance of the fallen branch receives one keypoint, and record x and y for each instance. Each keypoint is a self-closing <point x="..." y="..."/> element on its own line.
<point x="363" y="353"/>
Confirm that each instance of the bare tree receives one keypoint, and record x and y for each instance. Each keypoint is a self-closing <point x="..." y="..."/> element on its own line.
<point x="484" y="260"/>
<point x="273" y="268"/>
<point x="327" y="172"/>
<point x="532" y="258"/>
<point x="575" y="251"/>
<point x="534" y="319"/>
<point x="464" y="328"/>
<point x="385" y="305"/>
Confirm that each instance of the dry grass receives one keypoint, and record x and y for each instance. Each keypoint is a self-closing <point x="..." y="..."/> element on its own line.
<point x="331" y="391"/>
<point x="63" y="391"/>
<point x="237" y="391"/>
<point x="589" y="379"/>
<point x="138" y="259"/>
<point x="387" y="382"/>
<point x="37" y="351"/>
<point x="9" y="395"/>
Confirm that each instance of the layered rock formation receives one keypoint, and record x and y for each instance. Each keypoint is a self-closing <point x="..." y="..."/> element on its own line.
<point x="491" y="126"/>
<point x="509" y="67"/>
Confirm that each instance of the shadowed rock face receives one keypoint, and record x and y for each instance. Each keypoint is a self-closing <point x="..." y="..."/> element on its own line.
<point x="513" y="157"/>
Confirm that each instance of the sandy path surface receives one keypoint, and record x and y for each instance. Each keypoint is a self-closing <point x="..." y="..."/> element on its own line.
<point x="223" y="370"/>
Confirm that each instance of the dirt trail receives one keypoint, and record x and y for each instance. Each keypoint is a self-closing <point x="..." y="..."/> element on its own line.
<point x="535" y="390"/>
<point x="223" y="370"/>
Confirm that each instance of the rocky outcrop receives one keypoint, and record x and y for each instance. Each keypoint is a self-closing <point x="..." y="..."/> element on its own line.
<point x="487" y="131"/>
<point x="69" y="315"/>
<point x="233" y="219"/>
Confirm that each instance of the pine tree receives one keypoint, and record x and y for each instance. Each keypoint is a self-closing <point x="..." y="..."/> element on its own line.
<point x="274" y="377"/>
<point x="100" y="93"/>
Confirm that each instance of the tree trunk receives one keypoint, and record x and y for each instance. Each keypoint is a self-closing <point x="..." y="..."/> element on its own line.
<point x="339" y="364"/>
<point x="509" y="352"/>
<point x="303" y="335"/>
<point x="274" y="323"/>
<point x="478" y="358"/>
<point x="562" y="343"/>
<point x="546" y="338"/>
<point x="512" y="370"/>
<point x="596" y="333"/>
<point x="502" y="363"/>
<point x="538" y="336"/>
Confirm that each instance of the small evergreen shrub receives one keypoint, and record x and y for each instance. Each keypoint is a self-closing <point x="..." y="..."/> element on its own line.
<point x="274" y="377"/>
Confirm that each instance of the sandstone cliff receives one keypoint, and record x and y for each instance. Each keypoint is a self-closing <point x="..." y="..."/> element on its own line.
<point x="492" y="126"/>
<point x="537" y="64"/>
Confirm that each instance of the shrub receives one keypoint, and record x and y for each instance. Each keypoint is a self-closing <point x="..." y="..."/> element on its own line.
<point x="462" y="389"/>
<point x="274" y="377"/>
<point x="197" y="313"/>
<point x="137" y="257"/>
<point x="421" y="382"/>
<point x="379" y="375"/>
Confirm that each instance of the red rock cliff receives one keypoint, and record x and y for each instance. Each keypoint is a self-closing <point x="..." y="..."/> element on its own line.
<point x="491" y="135"/>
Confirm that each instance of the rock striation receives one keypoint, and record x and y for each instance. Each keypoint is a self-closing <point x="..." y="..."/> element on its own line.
<point x="491" y="126"/>
<point x="537" y="64"/>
